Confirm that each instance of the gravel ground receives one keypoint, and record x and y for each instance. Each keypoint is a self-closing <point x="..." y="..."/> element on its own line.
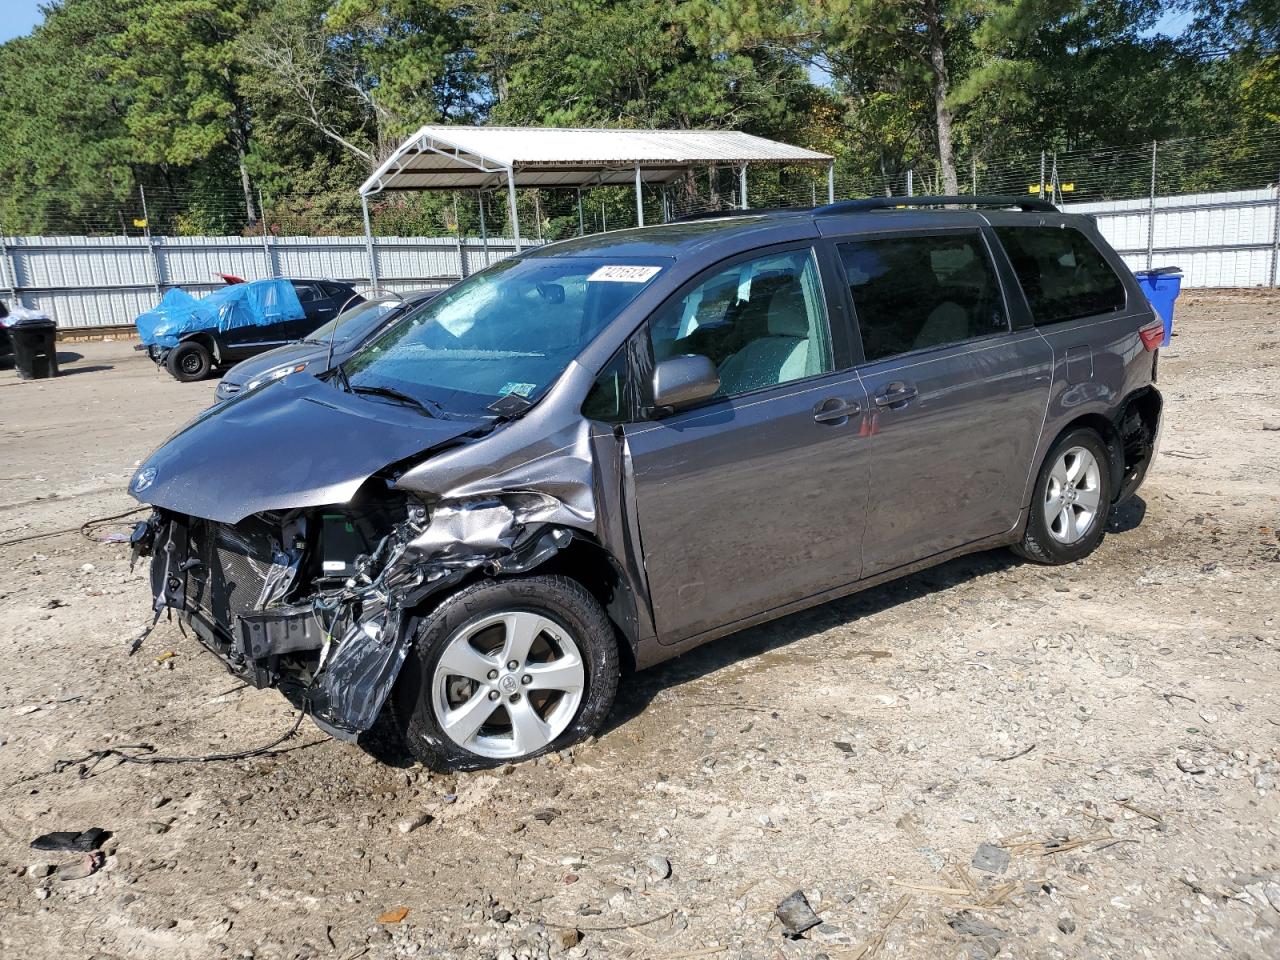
<point x="986" y="758"/>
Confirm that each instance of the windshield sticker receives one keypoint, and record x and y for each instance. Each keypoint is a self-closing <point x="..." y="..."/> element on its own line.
<point x="623" y="273"/>
<point x="519" y="389"/>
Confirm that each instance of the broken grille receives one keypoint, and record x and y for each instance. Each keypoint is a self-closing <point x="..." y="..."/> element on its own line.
<point x="234" y="563"/>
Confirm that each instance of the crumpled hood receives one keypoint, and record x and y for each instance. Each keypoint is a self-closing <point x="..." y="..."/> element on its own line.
<point x="295" y="442"/>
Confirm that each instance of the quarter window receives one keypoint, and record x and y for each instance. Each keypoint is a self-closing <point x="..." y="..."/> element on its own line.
<point x="911" y="293"/>
<point x="607" y="400"/>
<point x="762" y="322"/>
<point x="1062" y="273"/>
<point x="307" y="292"/>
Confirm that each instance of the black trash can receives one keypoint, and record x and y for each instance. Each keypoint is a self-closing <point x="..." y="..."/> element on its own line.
<point x="34" y="336"/>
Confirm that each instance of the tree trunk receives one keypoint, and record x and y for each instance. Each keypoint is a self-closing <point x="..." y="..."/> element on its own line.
<point x="241" y="138"/>
<point x="942" y="113"/>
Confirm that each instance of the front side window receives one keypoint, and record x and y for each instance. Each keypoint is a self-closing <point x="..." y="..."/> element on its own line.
<point x="1062" y="273"/>
<point x="357" y="322"/>
<point x="762" y="322"/>
<point x="510" y="330"/>
<point x="912" y="293"/>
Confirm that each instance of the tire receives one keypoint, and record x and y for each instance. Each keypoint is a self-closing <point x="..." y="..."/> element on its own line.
<point x="480" y="627"/>
<point x="1070" y="502"/>
<point x="189" y="362"/>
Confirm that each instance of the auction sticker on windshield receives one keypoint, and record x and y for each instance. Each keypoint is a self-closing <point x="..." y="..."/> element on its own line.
<point x="623" y="273"/>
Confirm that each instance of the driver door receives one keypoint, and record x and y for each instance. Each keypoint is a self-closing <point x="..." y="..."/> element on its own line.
<point x="756" y="497"/>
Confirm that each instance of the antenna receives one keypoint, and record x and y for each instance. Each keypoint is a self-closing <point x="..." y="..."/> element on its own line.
<point x="380" y="291"/>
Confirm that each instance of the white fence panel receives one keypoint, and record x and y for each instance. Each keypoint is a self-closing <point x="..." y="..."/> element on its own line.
<point x="1218" y="239"/>
<point x="106" y="281"/>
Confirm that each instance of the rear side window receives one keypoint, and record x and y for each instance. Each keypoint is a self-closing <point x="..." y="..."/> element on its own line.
<point x="307" y="292"/>
<point x="1062" y="273"/>
<point x="911" y="293"/>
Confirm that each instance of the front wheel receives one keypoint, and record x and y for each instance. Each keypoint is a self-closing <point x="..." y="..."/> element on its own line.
<point x="506" y="670"/>
<point x="189" y="361"/>
<point x="1071" y="501"/>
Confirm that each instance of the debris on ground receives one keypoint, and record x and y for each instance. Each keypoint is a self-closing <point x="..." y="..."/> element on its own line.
<point x="990" y="859"/>
<point x="84" y="867"/>
<point x="394" y="915"/>
<point x="659" y="867"/>
<point x="64" y="841"/>
<point x="796" y="915"/>
<point x="986" y="936"/>
<point x="410" y="824"/>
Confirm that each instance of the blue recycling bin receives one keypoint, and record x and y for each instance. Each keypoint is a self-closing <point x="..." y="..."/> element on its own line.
<point x="1162" y="287"/>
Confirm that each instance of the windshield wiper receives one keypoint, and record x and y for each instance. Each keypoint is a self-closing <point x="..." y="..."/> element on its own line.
<point x="392" y="393"/>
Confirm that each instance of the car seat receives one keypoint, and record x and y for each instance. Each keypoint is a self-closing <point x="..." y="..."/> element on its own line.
<point x="782" y="354"/>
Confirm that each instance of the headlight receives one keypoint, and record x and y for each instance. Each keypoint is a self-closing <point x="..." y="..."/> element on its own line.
<point x="275" y="375"/>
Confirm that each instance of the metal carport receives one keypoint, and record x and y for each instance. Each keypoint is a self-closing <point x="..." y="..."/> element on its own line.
<point x="482" y="158"/>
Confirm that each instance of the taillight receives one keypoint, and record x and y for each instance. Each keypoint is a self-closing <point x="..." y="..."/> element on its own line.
<point x="1152" y="335"/>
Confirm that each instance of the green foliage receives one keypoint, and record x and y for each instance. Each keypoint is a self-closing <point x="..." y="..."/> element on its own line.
<point x="209" y="104"/>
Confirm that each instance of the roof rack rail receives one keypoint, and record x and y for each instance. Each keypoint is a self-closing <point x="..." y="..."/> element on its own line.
<point x="739" y="212"/>
<point x="1027" y="204"/>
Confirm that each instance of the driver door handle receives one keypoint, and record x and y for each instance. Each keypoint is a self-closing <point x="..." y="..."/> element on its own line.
<point x="896" y="395"/>
<point x="836" y="410"/>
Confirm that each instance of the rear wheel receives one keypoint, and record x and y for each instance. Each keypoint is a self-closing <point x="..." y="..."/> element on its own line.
<point x="1071" y="501"/>
<point x="505" y="670"/>
<point x="189" y="362"/>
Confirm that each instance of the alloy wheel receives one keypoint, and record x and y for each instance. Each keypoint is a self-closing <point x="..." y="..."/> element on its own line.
<point x="508" y="684"/>
<point x="1073" y="495"/>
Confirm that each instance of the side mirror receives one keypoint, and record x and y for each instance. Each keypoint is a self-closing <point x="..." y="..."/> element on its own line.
<point x="681" y="381"/>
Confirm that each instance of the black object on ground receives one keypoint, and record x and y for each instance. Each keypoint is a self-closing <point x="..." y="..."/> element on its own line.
<point x="35" y="353"/>
<point x="71" y="841"/>
<point x="990" y="859"/>
<point x="796" y="915"/>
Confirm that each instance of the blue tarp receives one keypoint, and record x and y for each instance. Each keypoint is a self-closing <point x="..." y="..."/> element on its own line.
<point x="255" y="304"/>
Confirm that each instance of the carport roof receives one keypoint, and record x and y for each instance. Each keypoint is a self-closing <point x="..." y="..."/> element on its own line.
<point x="453" y="158"/>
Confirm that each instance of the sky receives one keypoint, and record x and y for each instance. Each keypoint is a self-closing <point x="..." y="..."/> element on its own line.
<point x="18" y="17"/>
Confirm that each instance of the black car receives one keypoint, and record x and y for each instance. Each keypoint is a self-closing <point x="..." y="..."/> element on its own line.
<point x="191" y="336"/>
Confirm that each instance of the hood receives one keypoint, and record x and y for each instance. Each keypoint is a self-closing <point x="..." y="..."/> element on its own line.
<point x="286" y="356"/>
<point x="295" y="442"/>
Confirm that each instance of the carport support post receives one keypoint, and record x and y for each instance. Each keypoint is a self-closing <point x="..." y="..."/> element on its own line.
<point x="582" y="225"/>
<point x="368" y="242"/>
<point x="831" y="182"/>
<point x="742" y="186"/>
<point x="639" y="200"/>
<point x="511" y="207"/>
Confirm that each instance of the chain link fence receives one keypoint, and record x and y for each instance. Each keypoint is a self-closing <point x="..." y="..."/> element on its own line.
<point x="1210" y="205"/>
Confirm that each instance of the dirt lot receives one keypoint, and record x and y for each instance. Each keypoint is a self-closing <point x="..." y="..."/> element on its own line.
<point x="1113" y="727"/>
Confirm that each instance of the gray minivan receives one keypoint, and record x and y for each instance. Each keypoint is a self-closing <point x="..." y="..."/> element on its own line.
<point x="603" y="452"/>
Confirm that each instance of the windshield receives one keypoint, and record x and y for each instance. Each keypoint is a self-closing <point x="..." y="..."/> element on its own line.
<point x="357" y="323"/>
<point x="508" y="331"/>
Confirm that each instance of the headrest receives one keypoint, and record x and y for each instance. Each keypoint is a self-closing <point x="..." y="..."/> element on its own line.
<point x="787" y="316"/>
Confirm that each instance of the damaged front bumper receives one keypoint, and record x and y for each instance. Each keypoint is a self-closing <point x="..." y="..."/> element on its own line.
<point x="156" y="352"/>
<point x="257" y="595"/>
